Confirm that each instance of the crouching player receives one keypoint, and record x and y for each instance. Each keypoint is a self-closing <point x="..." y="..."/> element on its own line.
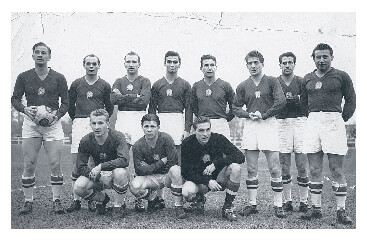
<point x="155" y="162"/>
<point x="111" y="158"/>
<point x="210" y="162"/>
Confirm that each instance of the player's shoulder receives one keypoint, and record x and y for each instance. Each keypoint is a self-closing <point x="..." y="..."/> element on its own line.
<point x="339" y="72"/>
<point x="165" y="136"/>
<point x="159" y="82"/>
<point x="183" y="81"/>
<point x="198" y="83"/>
<point x="87" y="139"/>
<point x="116" y="134"/>
<point x="54" y="73"/>
<point x="77" y="81"/>
<point x="143" y="79"/>
<point x="270" y="78"/>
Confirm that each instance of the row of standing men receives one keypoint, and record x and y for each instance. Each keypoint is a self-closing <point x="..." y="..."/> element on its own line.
<point x="283" y="115"/>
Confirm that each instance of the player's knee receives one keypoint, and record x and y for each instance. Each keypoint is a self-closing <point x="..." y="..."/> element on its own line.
<point x="80" y="186"/>
<point x="120" y="176"/>
<point x="235" y="168"/>
<point x="337" y="173"/>
<point x="175" y="171"/>
<point x="135" y="185"/>
<point x="29" y="168"/>
<point x="251" y="171"/>
<point x="189" y="189"/>
<point x="274" y="172"/>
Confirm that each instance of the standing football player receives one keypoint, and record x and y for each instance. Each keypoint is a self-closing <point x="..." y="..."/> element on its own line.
<point x="86" y="94"/>
<point x="42" y="86"/>
<point x="156" y="166"/>
<point x="210" y="162"/>
<point x="264" y="98"/>
<point x="132" y="94"/>
<point x="110" y="154"/>
<point x="212" y="97"/>
<point x="292" y="119"/>
<point x="325" y="128"/>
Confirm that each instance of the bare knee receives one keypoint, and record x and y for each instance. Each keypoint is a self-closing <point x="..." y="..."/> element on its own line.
<point x="80" y="186"/>
<point x="120" y="176"/>
<point x="189" y="189"/>
<point x="136" y="185"/>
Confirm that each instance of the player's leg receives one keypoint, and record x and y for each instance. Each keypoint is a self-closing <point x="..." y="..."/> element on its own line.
<point x="174" y="181"/>
<point x="285" y="162"/>
<point x="53" y="149"/>
<point x="30" y="147"/>
<point x="143" y="187"/>
<point x="339" y="186"/>
<point x="272" y="158"/>
<point x="194" y="194"/>
<point x="302" y="180"/>
<point x="229" y="178"/>
<point x="315" y="161"/>
<point x="252" y="181"/>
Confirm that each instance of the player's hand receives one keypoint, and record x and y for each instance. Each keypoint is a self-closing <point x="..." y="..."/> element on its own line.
<point x="55" y="119"/>
<point x="30" y="111"/>
<point x="137" y="99"/>
<point x="95" y="172"/>
<point x="214" y="185"/>
<point x="185" y="135"/>
<point x="164" y="160"/>
<point x="253" y="116"/>
<point x="115" y="90"/>
<point x="209" y="169"/>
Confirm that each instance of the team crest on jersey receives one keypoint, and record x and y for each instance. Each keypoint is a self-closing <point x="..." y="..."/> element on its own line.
<point x="156" y="157"/>
<point x="89" y="94"/>
<point x="41" y="91"/>
<point x="257" y="94"/>
<point x="130" y="87"/>
<point x="318" y="85"/>
<point x="206" y="158"/>
<point x="102" y="156"/>
<point x="169" y="92"/>
<point x="289" y="95"/>
<point x="208" y="92"/>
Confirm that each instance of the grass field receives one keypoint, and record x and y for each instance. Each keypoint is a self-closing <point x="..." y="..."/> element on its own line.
<point x="42" y="216"/>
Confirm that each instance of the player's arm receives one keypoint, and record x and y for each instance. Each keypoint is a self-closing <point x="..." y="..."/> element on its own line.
<point x="72" y="100"/>
<point x="349" y="98"/>
<point x="107" y="100"/>
<point x="145" y="94"/>
<point x="232" y="154"/>
<point x="122" y="160"/>
<point x="116" y="96"/>
<point x="16" y="99"/>
<point x="194" y="101"/>
<point x="303" y="97"/>
<point x="153" y="103"/>
<point x="172" y="158"/>
<point x="279" y="99"/>
<point x="238" y="102"/>
<point x="82" y="160"/>
<point x="141" y="167"/>
<point x="63" y="94"/>
<point x="187" y="107"/>
<point x="230" y="95"/>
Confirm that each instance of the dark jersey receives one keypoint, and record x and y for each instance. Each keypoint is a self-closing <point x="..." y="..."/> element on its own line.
<point x="293" y="94"/>
<point x="172" y="98"/>
<point x="326" y="93"/>
<point x="84" y="98"/>
<point x="114" y="152"/>
<point x="147" y="160"/>
<point x="128" y="100"/>
<point x="267" y="98"/>
<point x="211" y="101"/>
<point x="38" y="92"/>
<point x="195" y="157"/>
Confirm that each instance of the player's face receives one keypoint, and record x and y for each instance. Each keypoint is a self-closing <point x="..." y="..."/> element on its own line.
<point x="254" y="66"/>
<point x="172" y="64"/>
<point x="209" y="67"/>
<point x="91" y="65"/>
<point x="99" y="125"/>
<point x="132" y="64"/>
<point x="323" y="60"/>
<point x="150" y="129"/>
<point x="41" y="55"/>
<point x="287" y="65"/>
<point x="203" y="132"/>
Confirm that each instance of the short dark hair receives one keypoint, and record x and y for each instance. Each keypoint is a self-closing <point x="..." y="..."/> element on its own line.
<point x="150" y="117"/>
<point x="132" y="54"/>
<point x="287" y="54"/>
<point x="207" y="56"/>
<point x="322" y="46"/>
<point x="100" y="112"/>
<point x="91" y="55"/>
<point x="41" y="44"/>
<point x="172" y="54"/>
<point x="200" y="119"/>
<point x="255" y="53"/>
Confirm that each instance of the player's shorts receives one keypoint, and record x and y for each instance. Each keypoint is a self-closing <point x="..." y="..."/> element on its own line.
<point x="129" y="123"/>
<point x="325" y="131"/>
<point x="291" y="134"/>
<point x="173" y="124"/>
<point x="31" y="130"/>
<point x="220" y="126"/>
<point x="80" y="128"/>
<point x="159" y="179"/>
<point x="260" y="135"/>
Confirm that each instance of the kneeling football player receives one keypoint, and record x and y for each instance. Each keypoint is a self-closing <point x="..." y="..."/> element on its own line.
<point x="210" y="161"/>
<point x="155" y="162"/>
<point x="110" y="154"/>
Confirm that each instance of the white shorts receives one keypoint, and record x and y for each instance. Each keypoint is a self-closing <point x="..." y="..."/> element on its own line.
<point x="159" y="179"/>
<point x="31" y="130"/>
<point x="129" y="123"/>
<point x="173" y="124"/>
<point x="325" y="131"/>
<point x="260" y="135"/>
<point x="220" y="126"/>
<point x="80" y="128"/>
<point x="291" y="134"/>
